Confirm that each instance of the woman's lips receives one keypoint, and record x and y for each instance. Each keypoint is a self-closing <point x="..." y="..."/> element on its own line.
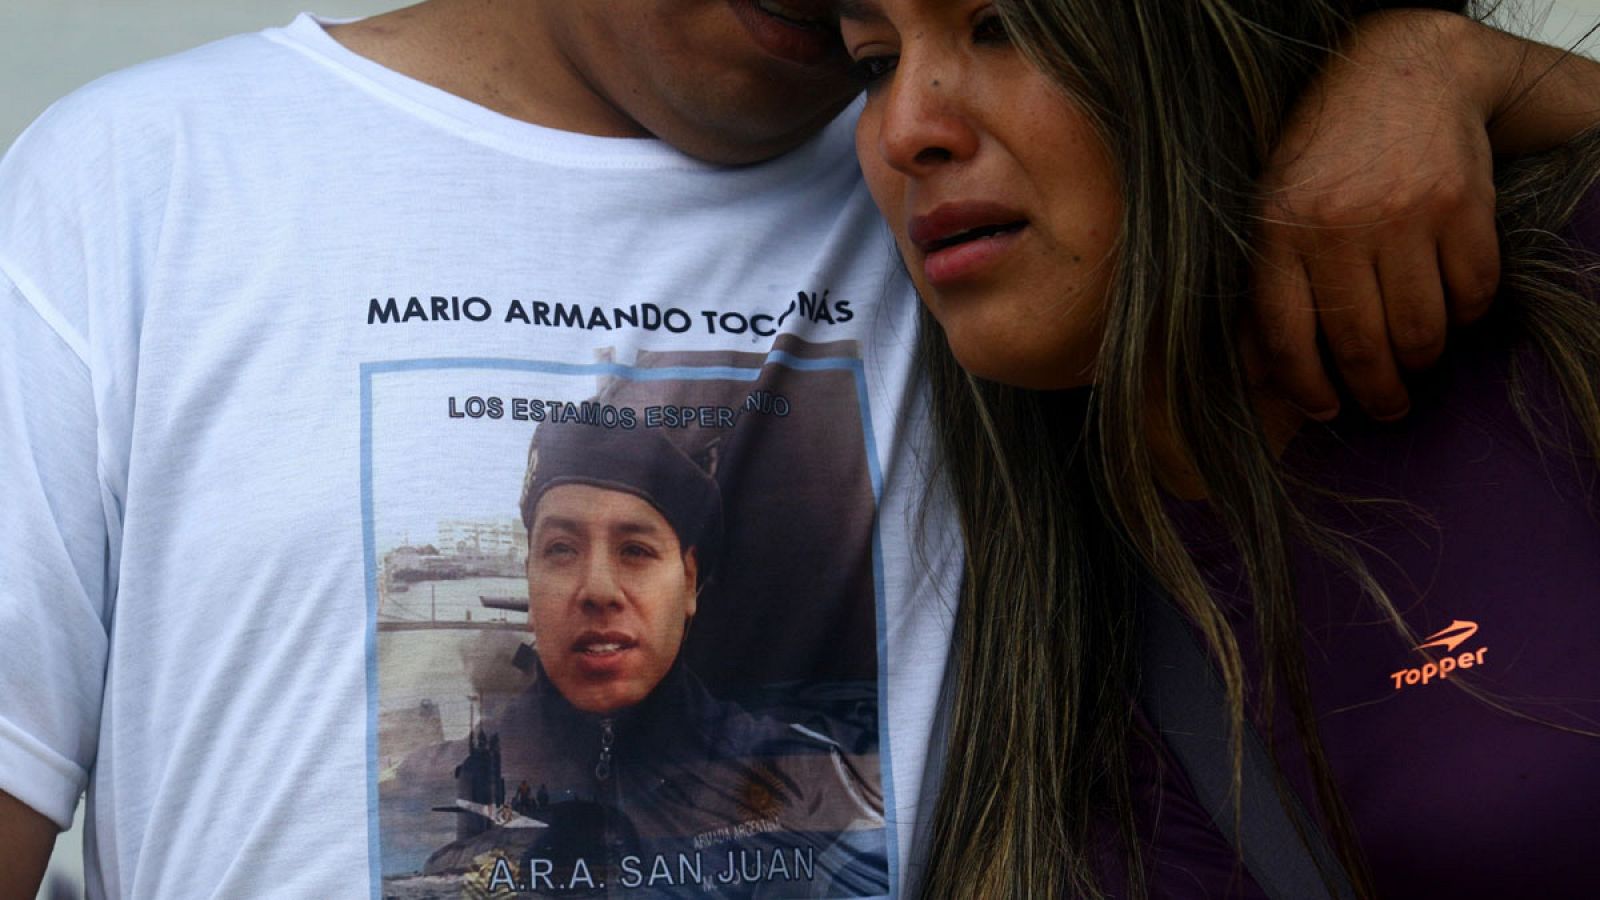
<point x="963" y="240"/>
<point x="799" y="31"/>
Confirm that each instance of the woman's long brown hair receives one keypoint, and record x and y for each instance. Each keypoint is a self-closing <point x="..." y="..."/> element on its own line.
<point x="1057" y="492"/>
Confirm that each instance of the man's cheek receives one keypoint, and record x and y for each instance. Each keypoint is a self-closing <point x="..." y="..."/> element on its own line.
<point x="544" y="623"/>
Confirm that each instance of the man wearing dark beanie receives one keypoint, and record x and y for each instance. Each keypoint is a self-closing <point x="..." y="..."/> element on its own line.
<point x="621" y="526"/>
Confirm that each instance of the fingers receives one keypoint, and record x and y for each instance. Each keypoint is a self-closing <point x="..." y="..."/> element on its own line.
<point x="1413" y="301"/>
<point x="1377" y="210"/>
<point x="1377" y="293"/>
<point x="1350" y="309"/>
<point x="1381" y="309"/>
<point x="1378" y="309"/>
<point x="1469" y="258"/>
<point x="1286" y="318"/>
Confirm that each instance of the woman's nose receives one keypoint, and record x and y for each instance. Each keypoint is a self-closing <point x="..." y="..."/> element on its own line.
<point x="925" y="121"/>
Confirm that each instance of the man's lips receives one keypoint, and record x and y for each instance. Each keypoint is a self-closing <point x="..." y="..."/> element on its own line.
<point x="603" y="643"/>
<point x="800" y="31"/>
<point x="603" y="655"/>
<point x="960" y="240"/>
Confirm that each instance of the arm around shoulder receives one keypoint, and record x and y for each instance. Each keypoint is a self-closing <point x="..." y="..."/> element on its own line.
<point x="1536" y="96"/>
<point x="1378" y="204"/>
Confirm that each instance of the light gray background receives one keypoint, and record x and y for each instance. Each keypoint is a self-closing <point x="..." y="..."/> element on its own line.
<point x="50" y="47"/>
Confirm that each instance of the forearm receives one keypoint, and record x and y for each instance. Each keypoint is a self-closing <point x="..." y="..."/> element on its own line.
<point x="1534" y="96"/>
<point x="27" y="838"/>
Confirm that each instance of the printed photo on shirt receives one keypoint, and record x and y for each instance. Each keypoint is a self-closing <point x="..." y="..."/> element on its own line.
<point x="625" y="626"/>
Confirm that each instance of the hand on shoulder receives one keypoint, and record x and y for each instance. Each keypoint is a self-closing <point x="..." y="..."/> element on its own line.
<point x="1377" y="208"/>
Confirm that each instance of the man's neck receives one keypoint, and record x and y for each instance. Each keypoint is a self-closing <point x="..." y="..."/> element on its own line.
<point x="503" y="56"/>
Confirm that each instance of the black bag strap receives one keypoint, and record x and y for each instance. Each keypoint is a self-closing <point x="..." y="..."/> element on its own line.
<point x="1184" y="699"/>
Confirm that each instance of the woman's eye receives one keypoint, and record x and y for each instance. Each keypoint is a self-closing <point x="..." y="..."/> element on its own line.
<point x="991" y="29"/>
<point x="869" y="70"/>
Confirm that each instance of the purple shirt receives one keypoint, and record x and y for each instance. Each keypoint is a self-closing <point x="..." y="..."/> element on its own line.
<point x="1495" y="563"/>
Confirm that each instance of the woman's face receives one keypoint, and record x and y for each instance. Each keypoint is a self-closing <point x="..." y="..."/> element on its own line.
<point x="1000" y="192"/>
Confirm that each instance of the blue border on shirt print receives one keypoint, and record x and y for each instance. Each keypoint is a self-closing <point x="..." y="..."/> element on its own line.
<point x="634" y="373"/>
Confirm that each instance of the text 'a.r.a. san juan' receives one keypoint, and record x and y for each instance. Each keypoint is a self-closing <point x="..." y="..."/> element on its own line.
<point x="662" y="870"/>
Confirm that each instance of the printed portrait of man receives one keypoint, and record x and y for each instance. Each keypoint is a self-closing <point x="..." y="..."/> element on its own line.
<point x="630" y="648"/>
<point x="645" y="778"/>
<point x="621" y="526"/>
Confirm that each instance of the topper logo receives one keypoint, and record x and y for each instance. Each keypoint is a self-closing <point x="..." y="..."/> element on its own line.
<point x="1448" y="638"/>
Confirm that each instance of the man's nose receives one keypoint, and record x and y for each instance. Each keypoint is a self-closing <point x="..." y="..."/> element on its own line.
<point x="925" y="118"/>
<point x="601" y="587"/>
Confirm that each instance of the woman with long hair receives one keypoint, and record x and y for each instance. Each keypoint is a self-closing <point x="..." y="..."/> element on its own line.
<point x="1403" y="612"/>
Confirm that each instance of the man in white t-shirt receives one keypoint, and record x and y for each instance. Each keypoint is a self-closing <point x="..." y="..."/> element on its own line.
<point x="281" y="314"/>
<point x="275" y="308"/>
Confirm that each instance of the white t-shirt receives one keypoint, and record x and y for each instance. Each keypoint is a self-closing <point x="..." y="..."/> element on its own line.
<point x="277" y="325"/>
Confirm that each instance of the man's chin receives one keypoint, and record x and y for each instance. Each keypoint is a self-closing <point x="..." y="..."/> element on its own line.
<point x="602" y="699"/>
<point x="603" y="706"/>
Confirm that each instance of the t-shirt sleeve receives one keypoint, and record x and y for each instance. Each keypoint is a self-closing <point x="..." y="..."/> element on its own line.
<point x="83" y="193"/>
<point x="54" y="610"/>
